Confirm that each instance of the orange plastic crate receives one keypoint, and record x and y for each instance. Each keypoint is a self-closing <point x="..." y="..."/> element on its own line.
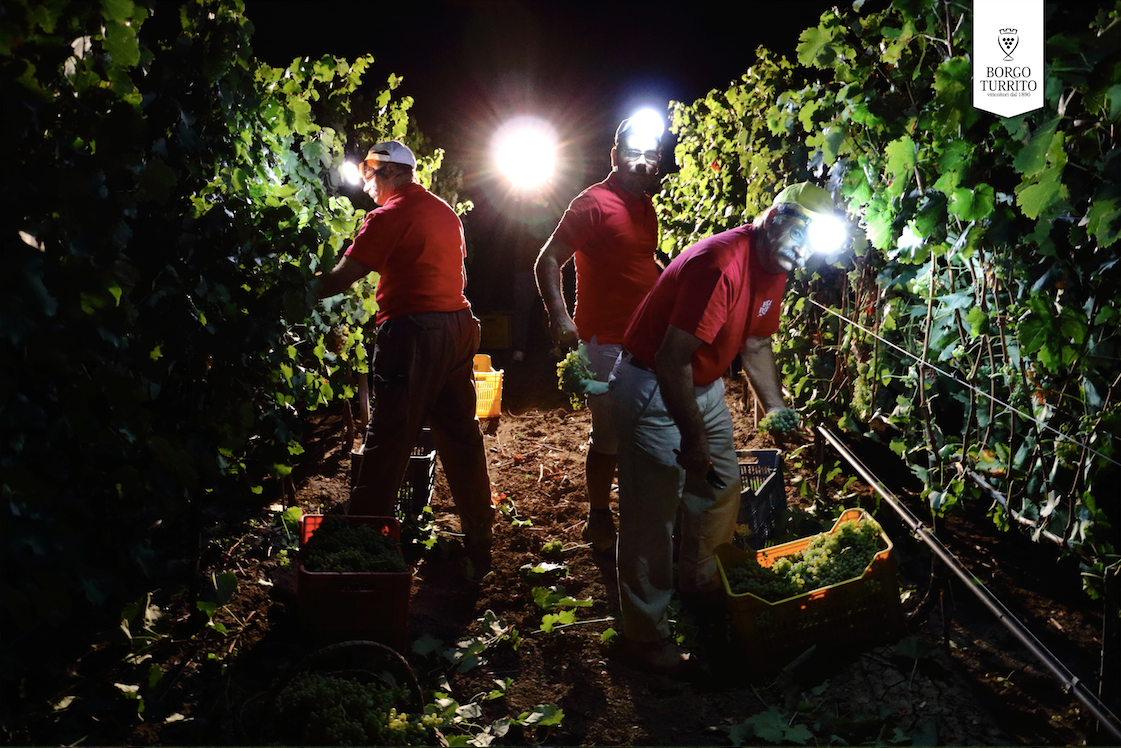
<point x="859" y="611"/>
<point x="355" y="605"/>
<point x="488" y="385"/>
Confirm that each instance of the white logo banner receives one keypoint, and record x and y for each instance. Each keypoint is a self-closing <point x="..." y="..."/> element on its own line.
<point x="1008" y="56"/>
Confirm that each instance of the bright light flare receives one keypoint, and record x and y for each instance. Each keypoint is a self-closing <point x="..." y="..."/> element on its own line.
<point x="647" y="122"/>
<point x="351" y="173"/>
<point x="827" y="234"/>
<point x="525" y="152"/>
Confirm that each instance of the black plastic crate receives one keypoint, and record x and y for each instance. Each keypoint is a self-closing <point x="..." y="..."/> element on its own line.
<point x="424" y="443"/>
<point x="762" y="497"/>
<point x="416" y="488"/>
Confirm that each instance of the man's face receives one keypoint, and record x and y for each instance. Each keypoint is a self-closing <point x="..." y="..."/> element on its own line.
<point x="375" y="175"/>
<point x="636" y="158"/>
<point x="784" y="244"/>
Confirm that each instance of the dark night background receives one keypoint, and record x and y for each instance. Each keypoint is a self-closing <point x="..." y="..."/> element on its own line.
<point x="583" y="66"/>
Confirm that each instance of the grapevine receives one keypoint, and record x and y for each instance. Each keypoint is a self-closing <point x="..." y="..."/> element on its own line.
<point x="323" y="709"/>
<point x="829" y="558"/>
<point x="784" y="421"/>
<point x="342" y="547"/>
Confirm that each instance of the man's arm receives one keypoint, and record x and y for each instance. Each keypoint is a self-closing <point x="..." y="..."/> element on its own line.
<point x="554" y="255"/>
<point x="340" y="279"/>
<point x="759" y="364"/>
<point x="674" y="361"/>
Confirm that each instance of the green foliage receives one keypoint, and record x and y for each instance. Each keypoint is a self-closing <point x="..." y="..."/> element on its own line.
<point x="982" y="245"/>
<point x="167" y="200"/>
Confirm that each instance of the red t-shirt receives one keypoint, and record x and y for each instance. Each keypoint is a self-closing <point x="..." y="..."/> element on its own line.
<point x="415" y="243"/>
<point x="717" y="291"/>
<point x="614" y="234"/>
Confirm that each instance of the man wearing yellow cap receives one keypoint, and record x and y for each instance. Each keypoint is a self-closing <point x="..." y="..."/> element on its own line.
<point x="718" y="298"/>
<point x="427" y="338"/>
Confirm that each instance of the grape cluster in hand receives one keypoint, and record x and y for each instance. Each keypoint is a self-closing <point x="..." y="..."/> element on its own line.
<point x="323" y="709"/>
<point x="572" y="372"/>
<point x="784" y="421"/>
<point x="339" y="546"/>
<point x="829" y="558"/>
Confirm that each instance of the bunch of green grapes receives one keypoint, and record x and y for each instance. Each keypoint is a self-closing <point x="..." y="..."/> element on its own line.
<point x="835" y="557"/>
<point x="571" y="372"/>
<point x="323" y="709"/>
<point x="339" y="546"/>
<point x="758" y="580"/>
<point x="784" y="421"/>
<point x="828" y="559"/>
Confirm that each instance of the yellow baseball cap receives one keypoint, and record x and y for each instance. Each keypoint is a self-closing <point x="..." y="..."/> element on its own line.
<point x="814" y="200"/>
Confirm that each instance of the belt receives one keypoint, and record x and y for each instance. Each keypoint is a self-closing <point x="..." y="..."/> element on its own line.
<point x="636" y="363"/>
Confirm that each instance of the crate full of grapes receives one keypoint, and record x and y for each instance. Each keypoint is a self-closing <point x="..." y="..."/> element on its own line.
<point x="353" y="582"/>
<point x="836" y="589"/>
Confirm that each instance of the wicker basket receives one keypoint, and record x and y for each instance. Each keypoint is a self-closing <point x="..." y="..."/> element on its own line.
<point x="366" y="661"/>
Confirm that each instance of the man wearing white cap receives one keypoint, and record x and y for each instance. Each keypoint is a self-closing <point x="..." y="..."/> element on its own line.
<point x="612" y="231"/>
<point x="427" y="338"/>
<point x="718" y="298"/>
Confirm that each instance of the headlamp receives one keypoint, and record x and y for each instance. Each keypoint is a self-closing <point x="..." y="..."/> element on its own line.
<point x="644" y="123"/>
<point x="826" y="234"/>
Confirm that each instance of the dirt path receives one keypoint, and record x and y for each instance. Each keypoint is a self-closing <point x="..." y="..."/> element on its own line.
<point x="955" y="678"/>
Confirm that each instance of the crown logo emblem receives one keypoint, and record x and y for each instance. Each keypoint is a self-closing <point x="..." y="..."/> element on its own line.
<point x="1008" y="40"/>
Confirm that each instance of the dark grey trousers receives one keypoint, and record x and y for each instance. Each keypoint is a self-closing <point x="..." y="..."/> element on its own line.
<point x="423" y="374"/>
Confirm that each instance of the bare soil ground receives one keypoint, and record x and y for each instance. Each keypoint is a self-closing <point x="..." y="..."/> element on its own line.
<point x="956" y="678"/>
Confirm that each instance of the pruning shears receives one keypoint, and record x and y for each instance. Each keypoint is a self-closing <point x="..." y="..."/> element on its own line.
<point x="711" y="476"/>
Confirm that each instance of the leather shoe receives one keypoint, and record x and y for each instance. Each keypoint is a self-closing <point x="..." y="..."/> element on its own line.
<point x="658" y="658"/>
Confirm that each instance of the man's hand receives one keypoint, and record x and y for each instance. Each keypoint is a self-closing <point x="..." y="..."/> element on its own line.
<point x="564" y="333"/>
<point x="339" y="279"/>
<point x="694" y="455"/>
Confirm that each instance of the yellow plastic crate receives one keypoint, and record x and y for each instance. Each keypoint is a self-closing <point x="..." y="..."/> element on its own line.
<point x="488" y="385"/>
<point x="861" y="610"/>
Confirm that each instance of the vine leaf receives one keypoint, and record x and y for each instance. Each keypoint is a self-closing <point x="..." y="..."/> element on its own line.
<point x="972" y="205"/>
<point x="770" y="726"/>
<point x="814" y="48"/>
<point x="1032" y="158"/>
<point x="1103" y="220"/>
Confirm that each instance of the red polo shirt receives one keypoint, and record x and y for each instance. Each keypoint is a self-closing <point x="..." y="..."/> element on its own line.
<point x="614" y="234"/>
<point x="415" y="243"/>
<point x="714" y="290"/>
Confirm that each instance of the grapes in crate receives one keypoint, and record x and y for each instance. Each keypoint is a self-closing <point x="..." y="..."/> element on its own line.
<point x="339" y="546"/>
<point x="828" y="559"/>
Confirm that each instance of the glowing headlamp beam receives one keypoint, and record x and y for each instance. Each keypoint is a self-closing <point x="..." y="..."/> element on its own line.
<point x="351" y="173"/>
<point x="826" y="234"/>
<point x="525" y="152"/>
<point x="647" y="123"/>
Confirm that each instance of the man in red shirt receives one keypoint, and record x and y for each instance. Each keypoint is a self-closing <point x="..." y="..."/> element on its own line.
<point x="612" y="232"/>
<point x="427" y="337"/>
<point x="718" y="298"/>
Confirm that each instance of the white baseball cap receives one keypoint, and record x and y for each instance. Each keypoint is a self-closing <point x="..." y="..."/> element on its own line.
<point x="392" y="152"/>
